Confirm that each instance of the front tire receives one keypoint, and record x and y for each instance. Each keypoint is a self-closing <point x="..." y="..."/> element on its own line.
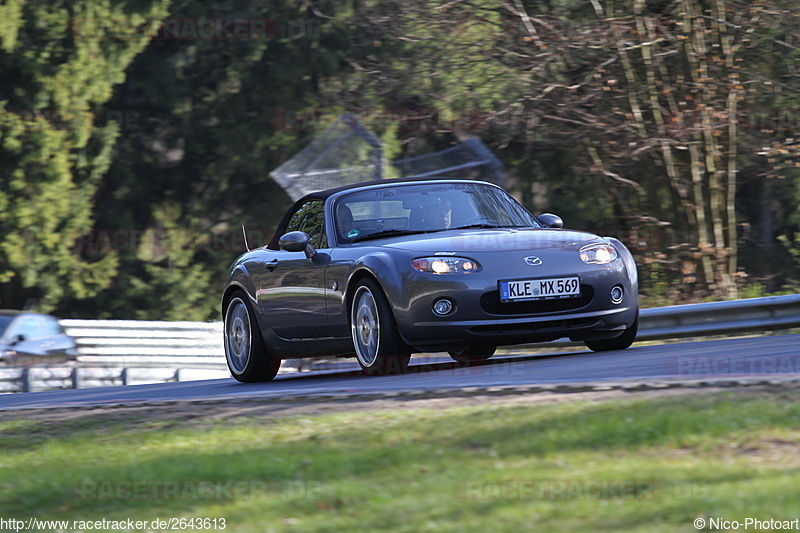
<point x="618" y="343"/>
<point x="377" y="343"/>
<point x="247" y="357"/>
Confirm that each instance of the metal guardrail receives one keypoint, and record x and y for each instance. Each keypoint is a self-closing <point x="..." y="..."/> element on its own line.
<point x="199" y="344"/>
<point x="771" y="313"/>
<point x="137" y="343"/>
<point x="36" y="378"/>
<point x="134" y="343"/>
<point x="127" y="348"/>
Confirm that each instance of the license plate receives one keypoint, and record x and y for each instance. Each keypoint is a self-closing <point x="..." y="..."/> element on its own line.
<point x="539" y="289"/>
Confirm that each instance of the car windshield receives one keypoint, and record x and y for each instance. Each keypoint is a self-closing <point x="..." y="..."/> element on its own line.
<point x="429" y="207"/>
<point x="4" y="323"/>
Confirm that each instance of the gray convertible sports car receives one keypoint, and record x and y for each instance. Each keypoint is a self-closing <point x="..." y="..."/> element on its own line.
<point x="383" y="269"/>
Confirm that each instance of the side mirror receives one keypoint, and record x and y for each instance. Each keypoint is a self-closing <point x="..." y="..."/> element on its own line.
<point x="549" y="220"/>
<point x="17" y="339"/>
<point x="297" y="241"/>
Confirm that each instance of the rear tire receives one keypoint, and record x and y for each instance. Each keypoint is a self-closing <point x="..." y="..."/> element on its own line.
<point x="377" y="343"/>
<point x="618" y="343"/>
<point x="473" y="353"/>
<point x="247" y="357"/>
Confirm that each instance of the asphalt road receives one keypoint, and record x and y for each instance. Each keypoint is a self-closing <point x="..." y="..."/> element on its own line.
<point x="715" y="360"/>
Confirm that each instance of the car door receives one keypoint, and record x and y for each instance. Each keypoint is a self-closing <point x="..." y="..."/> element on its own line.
<point x="291" y="287"/>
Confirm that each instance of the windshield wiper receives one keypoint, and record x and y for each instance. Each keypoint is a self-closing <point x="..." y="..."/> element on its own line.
<point x="388" y="233"/>
<point x="485" y="225"/>
<point x="482" y="225"/>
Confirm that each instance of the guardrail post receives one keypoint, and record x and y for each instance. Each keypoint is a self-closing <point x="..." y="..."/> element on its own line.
<point x="124" y="376"/>
<point x="75" y="378"/>
<point x="177" y="376"/>
<point x="25" y="379"/>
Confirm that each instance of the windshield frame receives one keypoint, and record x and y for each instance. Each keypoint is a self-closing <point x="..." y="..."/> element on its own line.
<point x="410" y="206"/>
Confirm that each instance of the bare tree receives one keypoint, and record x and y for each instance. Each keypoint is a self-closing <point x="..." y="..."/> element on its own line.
<point x="653" y="97"/>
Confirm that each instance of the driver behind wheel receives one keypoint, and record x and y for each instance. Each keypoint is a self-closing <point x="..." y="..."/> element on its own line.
<point x="344" y="223"/>
<point x="439" y="215"/>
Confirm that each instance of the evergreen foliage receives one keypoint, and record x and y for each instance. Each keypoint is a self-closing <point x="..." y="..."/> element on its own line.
<point x="137" y="136"/>
<point x="55" y="142"/>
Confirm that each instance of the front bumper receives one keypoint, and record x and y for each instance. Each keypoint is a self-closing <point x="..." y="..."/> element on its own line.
<point x="432" y="336"/>
<point x="478" y="316"/>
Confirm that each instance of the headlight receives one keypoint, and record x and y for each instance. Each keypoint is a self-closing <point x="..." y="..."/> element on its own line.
<point x="598" y="254"/>
<point x="445" y="265"/>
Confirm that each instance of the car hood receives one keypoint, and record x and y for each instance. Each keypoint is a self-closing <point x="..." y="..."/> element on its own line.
<point x="506" y="239"/>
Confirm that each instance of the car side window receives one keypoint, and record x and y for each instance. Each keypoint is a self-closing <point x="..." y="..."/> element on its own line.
<point x="52" y="327"/>
<point x="29" y="328"/>
<point x="310" y="218"/>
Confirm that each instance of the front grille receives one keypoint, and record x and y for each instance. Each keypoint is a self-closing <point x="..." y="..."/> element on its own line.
<point x="491" y="304"/>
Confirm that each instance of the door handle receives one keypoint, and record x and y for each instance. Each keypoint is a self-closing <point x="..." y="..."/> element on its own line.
<point x="271" y="265"/>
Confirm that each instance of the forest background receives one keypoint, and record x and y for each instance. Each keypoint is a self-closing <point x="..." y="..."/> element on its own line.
<point x="137" y="136"/>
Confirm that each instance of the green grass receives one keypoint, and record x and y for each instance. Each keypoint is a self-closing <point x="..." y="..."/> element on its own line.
<point x="501" y="467"/>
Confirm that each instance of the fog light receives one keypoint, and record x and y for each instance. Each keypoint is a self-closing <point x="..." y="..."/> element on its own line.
<point x="617" y="294"/>
<point x="442" y="307"/>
